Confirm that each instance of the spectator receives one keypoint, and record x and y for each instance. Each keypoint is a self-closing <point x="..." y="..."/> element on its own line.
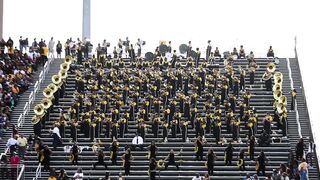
<point x="197" y="177"/>
<point x="311" y="150"/>
<point x="59" y="49"/>
<point x="299" y="149"/>
<point x="22" y="143"/>
<point x="12" y="144"/>
<point x="78" y="175"/>
<point x="14" y="161"/>
<point x="52" y="176"/>
<point x="51" y="48"/>
<point x="303" y="170"/>
<point x="63" y="175"/>
<point x="4" y="166"/>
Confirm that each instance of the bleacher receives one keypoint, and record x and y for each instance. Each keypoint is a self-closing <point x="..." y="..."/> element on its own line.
<point x="261" y="100"/>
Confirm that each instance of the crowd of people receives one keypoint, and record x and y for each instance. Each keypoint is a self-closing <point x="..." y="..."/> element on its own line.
<point x="161" y="96"/>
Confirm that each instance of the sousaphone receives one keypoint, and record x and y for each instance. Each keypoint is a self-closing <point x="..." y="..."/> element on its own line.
<point x="68" y="60"/>
<point x="56" y="79"/>
<point x="35" y="119"/>
<point x="149" y="56"/>
<point x="63" y="74"/>
<point x="277" y="94"/>
<point x="38" y="109"/>
<point x="47" y="92"/>
<point x="183" y="48"/>
<point x="271" y="67"/>
<point x="46" y="102"/>
<point x="276" y="87"/>
<point x="163" y="48"/>
<point x="65" y="66"/>
<point x="53" y="87"/>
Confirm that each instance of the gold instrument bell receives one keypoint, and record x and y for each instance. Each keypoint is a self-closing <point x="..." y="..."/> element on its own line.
<point x="38" y="109"/>
<point x="65" y="66"/>
<point x="56" y="79"/>
<point x="68" y="59"/>
<point x="271" y="67"/>
<point x="63" y="74"/>
<point x="277" y="94"/>
<point x="53" y="87"/>
<point x="281" y="108"/>
<point x="47" y="92"/>
<point x="276" y="87"/>
<point x="35" y="119"/>
<point x="278" y="74"/>
<point x="46" y="102"/>
<point x="283" y="99"/>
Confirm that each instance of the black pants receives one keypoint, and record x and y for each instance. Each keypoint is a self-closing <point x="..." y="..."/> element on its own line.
<point x="262" y="169"/>
<point x="153" y="175"/>
<point x="46" y="165"/>
<point x="100" y="163"/>
<point x="210" y="169"/>
<point x="75" y="160"/>
<point x="199" y="155"/>
<point x="126" y="169"/>
<point x="171" y="163"/>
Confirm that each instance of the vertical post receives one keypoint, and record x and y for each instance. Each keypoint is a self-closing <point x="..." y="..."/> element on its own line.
<point x="86" y="19"/>
<point x="1" y="19"/>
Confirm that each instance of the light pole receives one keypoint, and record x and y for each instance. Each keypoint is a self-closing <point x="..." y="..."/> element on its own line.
<point x="86" y="24"/>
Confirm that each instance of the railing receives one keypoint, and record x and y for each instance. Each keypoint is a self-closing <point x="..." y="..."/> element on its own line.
<point x="32" y="95"/>
<point x="38" y="172"/>
<point x="21" y="174"/>
<point x="314" y="137"/>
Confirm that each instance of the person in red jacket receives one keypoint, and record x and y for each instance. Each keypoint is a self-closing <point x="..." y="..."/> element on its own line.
<point x="14" y="161"/>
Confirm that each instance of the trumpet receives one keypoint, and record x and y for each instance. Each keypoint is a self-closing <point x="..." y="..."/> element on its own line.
<point x="38" y="109"/>
<point x="46" y="102"/>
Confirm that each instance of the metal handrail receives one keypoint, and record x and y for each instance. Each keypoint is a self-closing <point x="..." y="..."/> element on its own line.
<point x="38" y="172"/>
<point x="21" y="174"/>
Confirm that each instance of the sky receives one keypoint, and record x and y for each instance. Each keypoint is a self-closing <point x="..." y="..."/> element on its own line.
<point x="228" y="23"/>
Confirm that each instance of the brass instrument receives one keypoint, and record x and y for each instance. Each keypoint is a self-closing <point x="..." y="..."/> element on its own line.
<point x="276" y="87"/>
<point x="271" y="67"/>
<point x="38" y="109"/>
<point x="63" y="74"/>
<point x="266" y="76"/>
<point x="65" y="66"/>
<point x="53" y="87"/>
<point x="46" y="102"/>
<point x="277" y="74"/>
<point x="283" y="99"/>
<point x="277" y="94"/>
<point x="47" y="92"/>
<point x="68" y="59"/>
<point x="240" y="163"/>
<point x="71" y="157"/>
<point x="56" y="79"/>
<point x="35" y="119"/>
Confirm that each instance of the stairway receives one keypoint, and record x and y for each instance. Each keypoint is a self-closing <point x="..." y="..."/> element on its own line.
<point x="304" y="120"/>
<point x="261" y="100"/>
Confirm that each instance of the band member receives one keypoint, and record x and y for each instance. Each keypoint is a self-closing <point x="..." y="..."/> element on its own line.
<point x="197" y="57"/>
<point x="155" y="126"/>
<point x="56" y="136"/>
<point x="113" y="151"/>
<point x="267" y="77"/>
<point x="184" y="130"/>
<point x="165" y="131"/>
<point x="270" y="52"/>
<point x="127" y="158"/>
<point x="208" y="51"/>
<point x="235" y="129"/>
<point x="171" y="160"/>
<point x="235" y="52"/>
<point x="300" y="149"/>
<point x="75" y="154"/>
<point x="114" y="129"/>
<point x="152" y="150"/>
<point x="47" y="157"/>
<point x="267" y="123"/>
<point x="122" y="125"/>
<point x="100" y="156"/>
<point x="242" y="54"/>
<point x="189" y="49"/>
<point x="228" y="153"/>
<point x="211" y="158"/>
<point x="217" y="53"/>
<point x="169" y="49"/>
<point x="174" y="126"/>
<point x="217" y="129"/>
<point x="152" y="168"/>
<point x="174" y="59"/>
<point x="242" y="79"/>
<point x="236" y="82"/>
<point x="241" y="164"/>
<point x="199" y="148"/>
<point x="293" y="99"/>
<point x="284" y="124"/>
<point x="252" y="143"/>
<point x="261" y="163"/>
